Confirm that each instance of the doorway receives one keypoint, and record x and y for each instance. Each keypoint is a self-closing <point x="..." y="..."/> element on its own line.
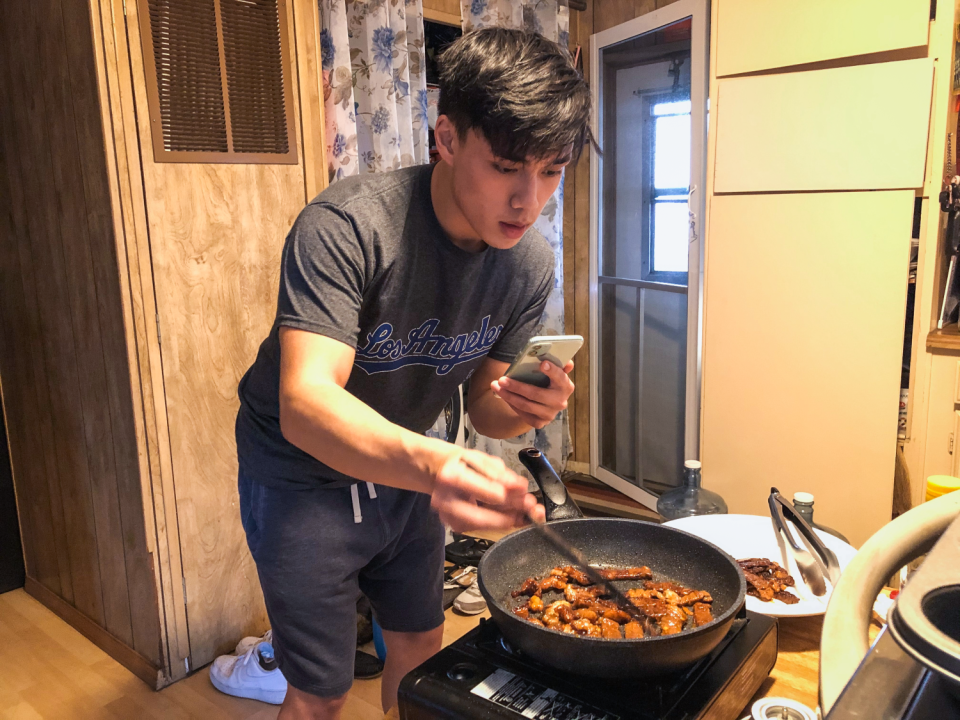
<point x="649" y="80"/>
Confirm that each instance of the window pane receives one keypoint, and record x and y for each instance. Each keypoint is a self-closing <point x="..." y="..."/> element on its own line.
<point x="671" y="159"/>
<point x="618" y="401"/>
<point x="680" y="107"/>
<point x="671" y="235"/>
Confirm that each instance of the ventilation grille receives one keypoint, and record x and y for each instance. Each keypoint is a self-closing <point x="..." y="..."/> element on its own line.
<point x="251" y="48"/>
<point x="216" y="80"/>
<point x="187" y="60"/>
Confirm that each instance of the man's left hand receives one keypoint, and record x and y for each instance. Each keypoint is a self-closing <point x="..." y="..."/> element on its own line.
<point x="537" y="406"/>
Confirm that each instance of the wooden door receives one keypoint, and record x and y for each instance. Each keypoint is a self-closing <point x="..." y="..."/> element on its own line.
<point x="216" y="230"/>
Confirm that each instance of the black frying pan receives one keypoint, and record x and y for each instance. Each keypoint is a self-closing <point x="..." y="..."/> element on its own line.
<point x="671" y="554"/>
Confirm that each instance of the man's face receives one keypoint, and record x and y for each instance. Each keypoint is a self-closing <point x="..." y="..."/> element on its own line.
<point x="501" y="199"/>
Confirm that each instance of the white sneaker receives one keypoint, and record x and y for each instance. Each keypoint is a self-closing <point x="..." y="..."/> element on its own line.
<point x="249" y="641"/>
<point x="470" y="601"/>
<point x="243" y="675"/>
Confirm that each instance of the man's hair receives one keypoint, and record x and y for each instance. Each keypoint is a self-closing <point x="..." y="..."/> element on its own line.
<point x="518" y="89"/>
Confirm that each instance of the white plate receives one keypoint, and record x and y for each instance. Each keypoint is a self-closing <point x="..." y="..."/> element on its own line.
<point x="749" y="536"/>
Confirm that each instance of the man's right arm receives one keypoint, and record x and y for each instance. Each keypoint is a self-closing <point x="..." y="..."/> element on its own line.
<point x="321" y="418"/>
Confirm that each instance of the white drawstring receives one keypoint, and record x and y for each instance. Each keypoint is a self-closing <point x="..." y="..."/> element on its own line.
<point x="355" y="498"/>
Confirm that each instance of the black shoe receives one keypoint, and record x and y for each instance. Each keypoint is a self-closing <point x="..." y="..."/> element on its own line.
<point x="367" y="666"/>
<point x="466" y="550"/>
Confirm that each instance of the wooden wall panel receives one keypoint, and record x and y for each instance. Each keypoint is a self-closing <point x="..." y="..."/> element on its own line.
<point x="59" y="370"/>
<point x="20" y="393"/>
<point x="577" y="258"/>
<point x="140" y="584"/>
<point x="83" y="313"/>
<point x="759" y="34"/>
<point x="443" y="11"/>
<point x="783" y="132"/>
<point x="803" y="341"/>
<point x="75" y="463"/>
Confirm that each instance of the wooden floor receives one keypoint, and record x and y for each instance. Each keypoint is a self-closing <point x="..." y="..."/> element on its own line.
<point x="49" y="670"/>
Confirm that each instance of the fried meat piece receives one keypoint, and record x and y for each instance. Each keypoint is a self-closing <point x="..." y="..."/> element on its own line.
<point x="611" y="611"/>
<point x="567" y="614"/>
<point x="695" y="596"/>
<point x="635" y="573"/>
<point x="530" y="587"/>
<point x="522" y="611"/>
<point x="761" y="588"/>
<point x="535" y="603"/>
<point x="585" y="627"/>
<point x="578" y="576"/>
<point x="551" y="583"/>
<point x="633" y="630"/>
<point x="609" y="629"/>
<point x="669" y="617"/>
<point x="787" y="597"/>
<point x="581" y="597"/>
<point x="642" y="593"/>
<point x="588" y="614"/>
<point x="661" y="586"/>
<point x="551" y="616"/>
<point x="767" y="580"/>
<point x="701" y="614"/>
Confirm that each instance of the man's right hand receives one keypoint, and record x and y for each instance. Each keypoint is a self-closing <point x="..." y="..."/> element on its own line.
<point x="476" y="491"/>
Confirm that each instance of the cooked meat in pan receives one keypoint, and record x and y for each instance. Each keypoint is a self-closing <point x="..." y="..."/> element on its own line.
<point x="666" y="608"/>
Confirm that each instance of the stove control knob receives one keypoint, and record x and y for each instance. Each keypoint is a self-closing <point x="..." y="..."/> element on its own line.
<point x="461" y="672"/>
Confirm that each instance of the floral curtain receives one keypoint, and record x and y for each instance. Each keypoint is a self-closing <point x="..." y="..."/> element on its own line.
<point x="551" y="19"/>
<point x="375" y="90"/>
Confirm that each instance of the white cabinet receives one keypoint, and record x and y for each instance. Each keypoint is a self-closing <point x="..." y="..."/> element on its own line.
<point x="851" y="128"/>
<point x="764" y="34"/>
<point x="802" y="347"/>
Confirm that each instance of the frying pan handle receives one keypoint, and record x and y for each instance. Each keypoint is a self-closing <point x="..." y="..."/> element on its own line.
<point x="556" y="500"/>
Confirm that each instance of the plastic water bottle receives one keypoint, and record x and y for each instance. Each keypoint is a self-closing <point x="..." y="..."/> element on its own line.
<point x="690" y="498"/>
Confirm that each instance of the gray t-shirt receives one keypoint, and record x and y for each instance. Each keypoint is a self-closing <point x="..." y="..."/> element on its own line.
<point x="367" y="263"/>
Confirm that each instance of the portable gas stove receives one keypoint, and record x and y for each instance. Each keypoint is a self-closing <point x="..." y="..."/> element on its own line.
<point x="482" y="676"/>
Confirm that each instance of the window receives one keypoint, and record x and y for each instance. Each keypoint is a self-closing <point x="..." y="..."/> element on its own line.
<point x="667" y="183"/>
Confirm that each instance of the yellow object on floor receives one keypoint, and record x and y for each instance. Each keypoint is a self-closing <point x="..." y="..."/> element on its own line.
<point x="938" y="485"/>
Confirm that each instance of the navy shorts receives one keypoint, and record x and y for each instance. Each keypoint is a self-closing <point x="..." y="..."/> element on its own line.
<point x="314" y="559"/>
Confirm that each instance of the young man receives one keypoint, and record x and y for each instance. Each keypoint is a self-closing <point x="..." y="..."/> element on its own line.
<point x="395" y="288"/>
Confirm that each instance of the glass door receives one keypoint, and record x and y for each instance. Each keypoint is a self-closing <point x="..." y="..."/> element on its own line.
<point x="649" y="82"/>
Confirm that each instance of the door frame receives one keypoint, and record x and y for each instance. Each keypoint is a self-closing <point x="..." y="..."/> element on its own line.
<point x="699" y="12"/>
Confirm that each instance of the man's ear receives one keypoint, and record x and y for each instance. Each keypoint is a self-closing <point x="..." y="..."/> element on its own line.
<point x="446" y="137"/>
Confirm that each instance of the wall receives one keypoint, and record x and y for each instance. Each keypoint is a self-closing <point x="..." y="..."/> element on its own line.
<point x="63" y="356"/>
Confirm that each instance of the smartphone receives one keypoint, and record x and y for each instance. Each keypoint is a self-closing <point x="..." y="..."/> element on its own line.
<point x="558" y="349"/>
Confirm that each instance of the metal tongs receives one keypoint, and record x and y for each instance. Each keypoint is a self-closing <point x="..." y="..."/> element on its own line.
<point x="813" y="565"/>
